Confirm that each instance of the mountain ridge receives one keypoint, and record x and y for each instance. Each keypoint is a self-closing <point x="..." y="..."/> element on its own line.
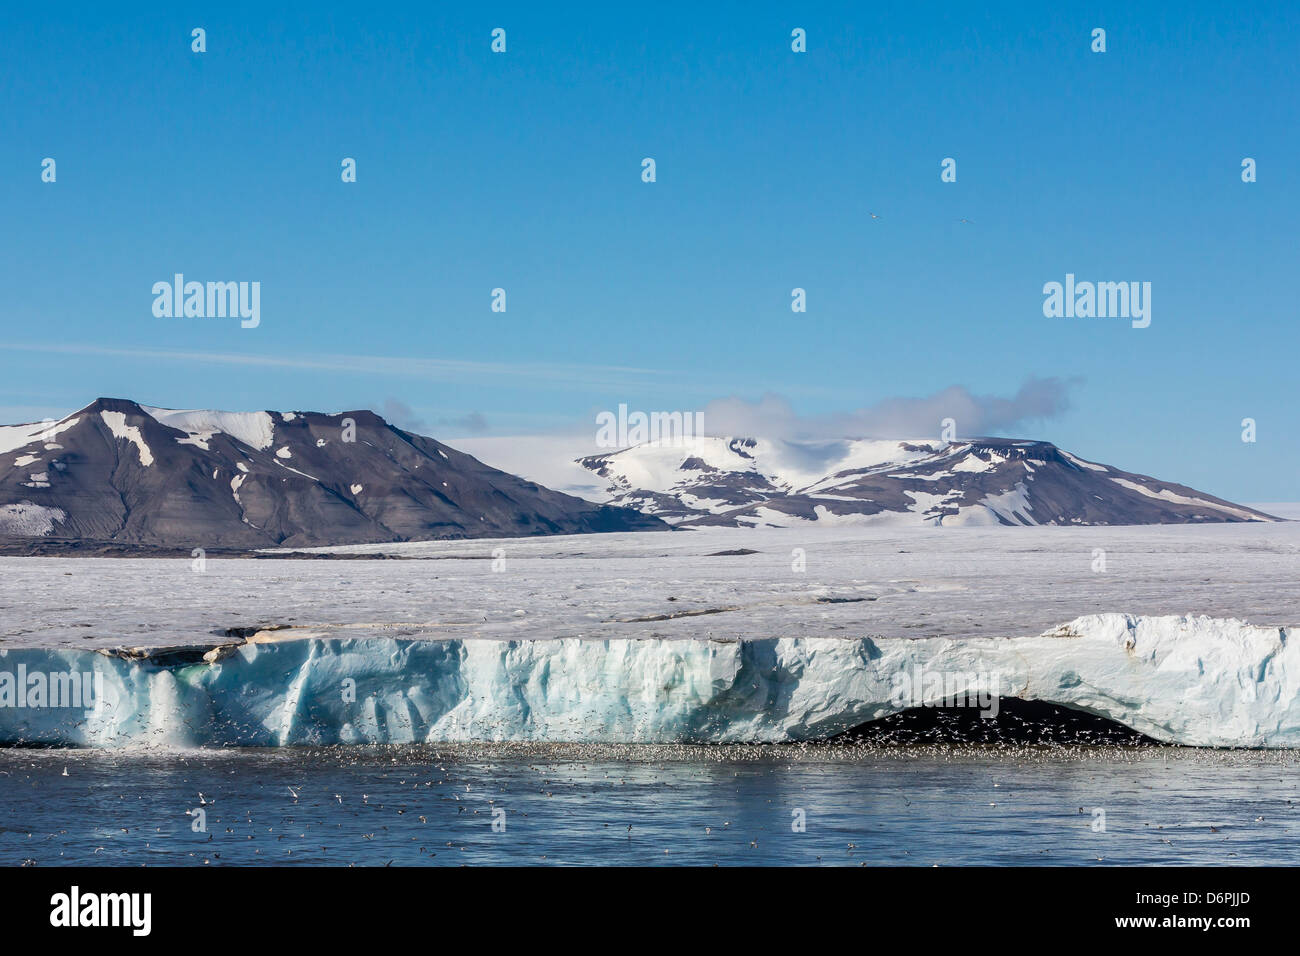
<point x="742" y="482"/>
<point x="120" y="472"/>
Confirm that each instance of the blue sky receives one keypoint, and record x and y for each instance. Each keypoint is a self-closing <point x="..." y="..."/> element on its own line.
<point x="522" y="170"/>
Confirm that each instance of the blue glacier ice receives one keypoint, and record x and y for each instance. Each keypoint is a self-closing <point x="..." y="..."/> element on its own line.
<point x="1192" y="680"/>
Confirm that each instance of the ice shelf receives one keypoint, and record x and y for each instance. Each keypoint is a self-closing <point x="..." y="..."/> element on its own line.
<point x="1190" y="680"/>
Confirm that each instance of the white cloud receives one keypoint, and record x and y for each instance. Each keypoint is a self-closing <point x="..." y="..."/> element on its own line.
<point x="772" y="416"/>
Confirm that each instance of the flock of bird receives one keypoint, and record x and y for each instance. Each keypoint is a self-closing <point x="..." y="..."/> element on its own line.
<point x="621" y="803"/>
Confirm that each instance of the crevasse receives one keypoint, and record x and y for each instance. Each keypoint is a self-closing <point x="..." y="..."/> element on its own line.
<point x="1191" y="680"/>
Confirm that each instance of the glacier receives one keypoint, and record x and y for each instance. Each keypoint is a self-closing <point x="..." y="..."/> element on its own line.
<point x="1194" y="680"/>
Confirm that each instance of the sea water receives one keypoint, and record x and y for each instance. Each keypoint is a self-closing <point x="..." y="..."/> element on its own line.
<point x="829" y="804"/>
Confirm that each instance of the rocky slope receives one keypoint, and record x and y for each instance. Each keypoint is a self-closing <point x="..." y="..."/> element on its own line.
<point x="119" y="472"/>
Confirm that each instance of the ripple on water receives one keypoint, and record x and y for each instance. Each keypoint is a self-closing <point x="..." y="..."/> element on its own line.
<point x="858" y="802"/>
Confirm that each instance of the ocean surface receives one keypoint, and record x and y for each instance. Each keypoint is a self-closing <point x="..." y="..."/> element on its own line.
<point x="828" y="804"/>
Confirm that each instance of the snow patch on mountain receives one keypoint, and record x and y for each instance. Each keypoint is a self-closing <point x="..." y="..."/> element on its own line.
<point x="1165" y="495"/>
<point x="29" y="520"/>
<point x="256" y="429"/>
<point x="116" y="422"/>
<point x="1013" y="507"/>
<point x="13" y="437"/>
<point x="1091" y="466"/>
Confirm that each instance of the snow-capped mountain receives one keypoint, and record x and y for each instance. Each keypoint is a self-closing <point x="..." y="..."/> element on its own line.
<point x="120" y="472"/>
<point x="750" y="482"/>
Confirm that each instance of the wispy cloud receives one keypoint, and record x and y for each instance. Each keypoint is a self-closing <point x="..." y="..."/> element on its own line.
<point x="398" y="413"/>
<point x="1037" y="400"/>
<point x="475" y="423"/>
<point x="772" y="416"/>
<point x="558" y="375"/>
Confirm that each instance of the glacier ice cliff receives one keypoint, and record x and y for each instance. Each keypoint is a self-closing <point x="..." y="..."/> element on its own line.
<point x="1201" y="681"/>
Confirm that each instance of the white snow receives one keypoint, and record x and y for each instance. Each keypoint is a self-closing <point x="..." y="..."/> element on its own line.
<point x="26" y="460"/>
<point x="547" y="460"/>
<point x="29" y="520"/>
<point x="356" y="489"/>
<point x="973" y="463"/>
<point x="1159" y="642"/>
<point x="1165" y="494"/>
<point x="714" y="505"/>
<point x="1014" y="505"/>
<point x="976" y="516"/>
<point x="283" y="452"/>
<point x="13" y="437"/>
<point x="1084" y="464"/>
<point x="883" y="519"/>
<point x="808" y="467"/>
<point x="252" y="428"/>
<point x="923" y="503"/>
<point x="657" y="466"/>
<point x="198" y="439"/>
<point x="296" y="471"/>
<point x="674" y="479"/>
<point x="116" y="422"/>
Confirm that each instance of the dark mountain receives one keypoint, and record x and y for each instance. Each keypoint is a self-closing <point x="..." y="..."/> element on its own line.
<point x="119" y="472"/>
